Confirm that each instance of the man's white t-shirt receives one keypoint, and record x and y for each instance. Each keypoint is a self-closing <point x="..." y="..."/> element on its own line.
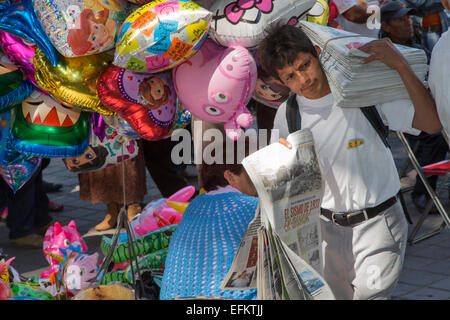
<point x="439" y="78"/>
<point x="360" y="28"/>
<point x="359" y="171"/>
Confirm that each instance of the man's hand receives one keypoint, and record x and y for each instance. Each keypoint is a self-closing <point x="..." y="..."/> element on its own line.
<point x="385" y="51"/>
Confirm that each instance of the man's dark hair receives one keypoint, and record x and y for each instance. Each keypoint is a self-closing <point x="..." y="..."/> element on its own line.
<point x="281" y="47"/>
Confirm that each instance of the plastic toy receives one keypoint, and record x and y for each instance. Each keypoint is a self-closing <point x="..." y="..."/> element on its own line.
<point x="57" y="238"/>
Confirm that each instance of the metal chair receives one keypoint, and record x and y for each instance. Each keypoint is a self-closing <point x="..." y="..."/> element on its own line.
<point x="441" y="168"/>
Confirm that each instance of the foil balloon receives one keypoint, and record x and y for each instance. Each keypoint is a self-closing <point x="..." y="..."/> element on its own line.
<point x="15" y="168"/>
<point x="182" y="119"/>
<point x="243" y="22"/>
<point x="73" y="80"/>
<point x="20" y="53"/>
<point x="216" y="84"/>
<point x="106" y="149"/>
<point x="147" y="102"/>
<point x="18" y="18"/>
<point x="83" y="27"/>
<point x="270" y="92"/>
<point x="43" y="127"/>
<point x="13" y="88"/>
<point x="121" y="126"/>
<point x="319" y="13"/>
<point x="161" y="34"/>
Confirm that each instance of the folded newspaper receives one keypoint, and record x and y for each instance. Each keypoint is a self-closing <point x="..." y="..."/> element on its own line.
<point x="359" y="85"/>
<point x="280" y="254"/>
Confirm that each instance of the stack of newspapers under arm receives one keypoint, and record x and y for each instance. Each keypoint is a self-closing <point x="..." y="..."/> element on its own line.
<point x="359" y="85"/>
<point x="280" y="254"/>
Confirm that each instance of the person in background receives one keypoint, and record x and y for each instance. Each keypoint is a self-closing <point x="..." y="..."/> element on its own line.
<point x="358" y="17"/>
<point x="204" y="244"/>
<point x="439" y="75"/>
<point x="396" y="24"/>
<point x="433" y="22"/>
<point x="106" y="186"/>
<point x="28" y="215"/>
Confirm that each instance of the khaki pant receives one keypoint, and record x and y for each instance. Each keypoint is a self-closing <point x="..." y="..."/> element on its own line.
<point x="364" y="261"/>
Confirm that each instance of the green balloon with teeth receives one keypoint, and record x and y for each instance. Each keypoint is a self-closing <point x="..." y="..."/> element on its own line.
<point x="42" y="127"/>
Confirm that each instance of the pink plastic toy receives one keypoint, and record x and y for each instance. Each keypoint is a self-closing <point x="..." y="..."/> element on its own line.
<point x="4" y="273"/>
<point x="216" y="84"/>
<point x="80" y="272"/>
<point x="58" y="237"/>
<point x="159" y="214"/>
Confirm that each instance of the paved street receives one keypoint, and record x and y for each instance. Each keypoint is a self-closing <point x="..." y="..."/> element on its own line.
<point x="426" y="272"/>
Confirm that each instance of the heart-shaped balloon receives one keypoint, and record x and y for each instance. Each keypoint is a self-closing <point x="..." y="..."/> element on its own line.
<point x="19" y="52"/>
<point x="18" y="18"/>
<point x="15" y="168"/>
<point x="13" y="88"/>
<point x="106" y="149"/>
<point x="83" y="27"/>
<point x="147" y="102"/>
<point x="73" y="80"/>
<point x="43" y="127"/>
<point x="161" y="34"/>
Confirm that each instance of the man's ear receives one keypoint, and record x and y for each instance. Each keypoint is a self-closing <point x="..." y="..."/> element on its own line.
<point x="229" y="176"/>
<point x="318" y="50"/>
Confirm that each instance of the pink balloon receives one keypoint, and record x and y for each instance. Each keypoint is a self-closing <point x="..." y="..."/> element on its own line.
<point x="216" y="84"/>
<point x="20" y="53"/>
<point x="183" y="194"/>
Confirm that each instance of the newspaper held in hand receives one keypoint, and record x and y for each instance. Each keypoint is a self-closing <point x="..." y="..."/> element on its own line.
<point x="360" y="85"/>
<point x="290" y="188"/>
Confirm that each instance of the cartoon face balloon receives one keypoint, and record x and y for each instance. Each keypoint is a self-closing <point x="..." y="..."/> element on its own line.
<point x="216" y="84"/>
<point x="160" y="35"/>
<point x="18" y="18"/>
<point x="73" y="80"/>
<point x="147" y="102"/>
<point x="105" y="150"/>
<point x="84" y="27"/>
<point x="13" y="88"/>
<point x="242" y="22"/>
<point x="43" y="127"/>
<point x="270" y="92"/>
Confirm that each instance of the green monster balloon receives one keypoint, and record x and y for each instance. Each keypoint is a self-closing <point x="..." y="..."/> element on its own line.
<point x="43" y="127"/>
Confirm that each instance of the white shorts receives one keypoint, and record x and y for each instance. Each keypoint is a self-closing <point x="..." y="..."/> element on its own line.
<point x="364" y="261"/>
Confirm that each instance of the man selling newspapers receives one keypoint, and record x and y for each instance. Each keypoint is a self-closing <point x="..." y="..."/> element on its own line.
<point x="363" y="227"/>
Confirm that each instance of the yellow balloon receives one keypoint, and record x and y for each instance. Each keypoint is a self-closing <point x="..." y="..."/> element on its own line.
<point x="179" y="206"/>
<point x="73" y="81"/>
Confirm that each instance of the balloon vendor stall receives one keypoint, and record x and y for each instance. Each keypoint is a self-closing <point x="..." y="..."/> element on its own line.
<point x="83" y="81"/>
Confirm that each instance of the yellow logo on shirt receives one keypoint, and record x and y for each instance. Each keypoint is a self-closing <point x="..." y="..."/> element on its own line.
<point x="354" y="143"/>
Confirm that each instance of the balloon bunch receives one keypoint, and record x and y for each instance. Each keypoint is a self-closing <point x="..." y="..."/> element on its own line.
<point x="72" y="70"/>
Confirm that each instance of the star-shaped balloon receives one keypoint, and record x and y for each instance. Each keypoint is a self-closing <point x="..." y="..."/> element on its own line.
<point x="18" y="18"/>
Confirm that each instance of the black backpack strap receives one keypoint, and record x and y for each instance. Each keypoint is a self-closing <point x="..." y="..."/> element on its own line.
<point x="374" y="119"/>
<point x="293" y="118"/>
